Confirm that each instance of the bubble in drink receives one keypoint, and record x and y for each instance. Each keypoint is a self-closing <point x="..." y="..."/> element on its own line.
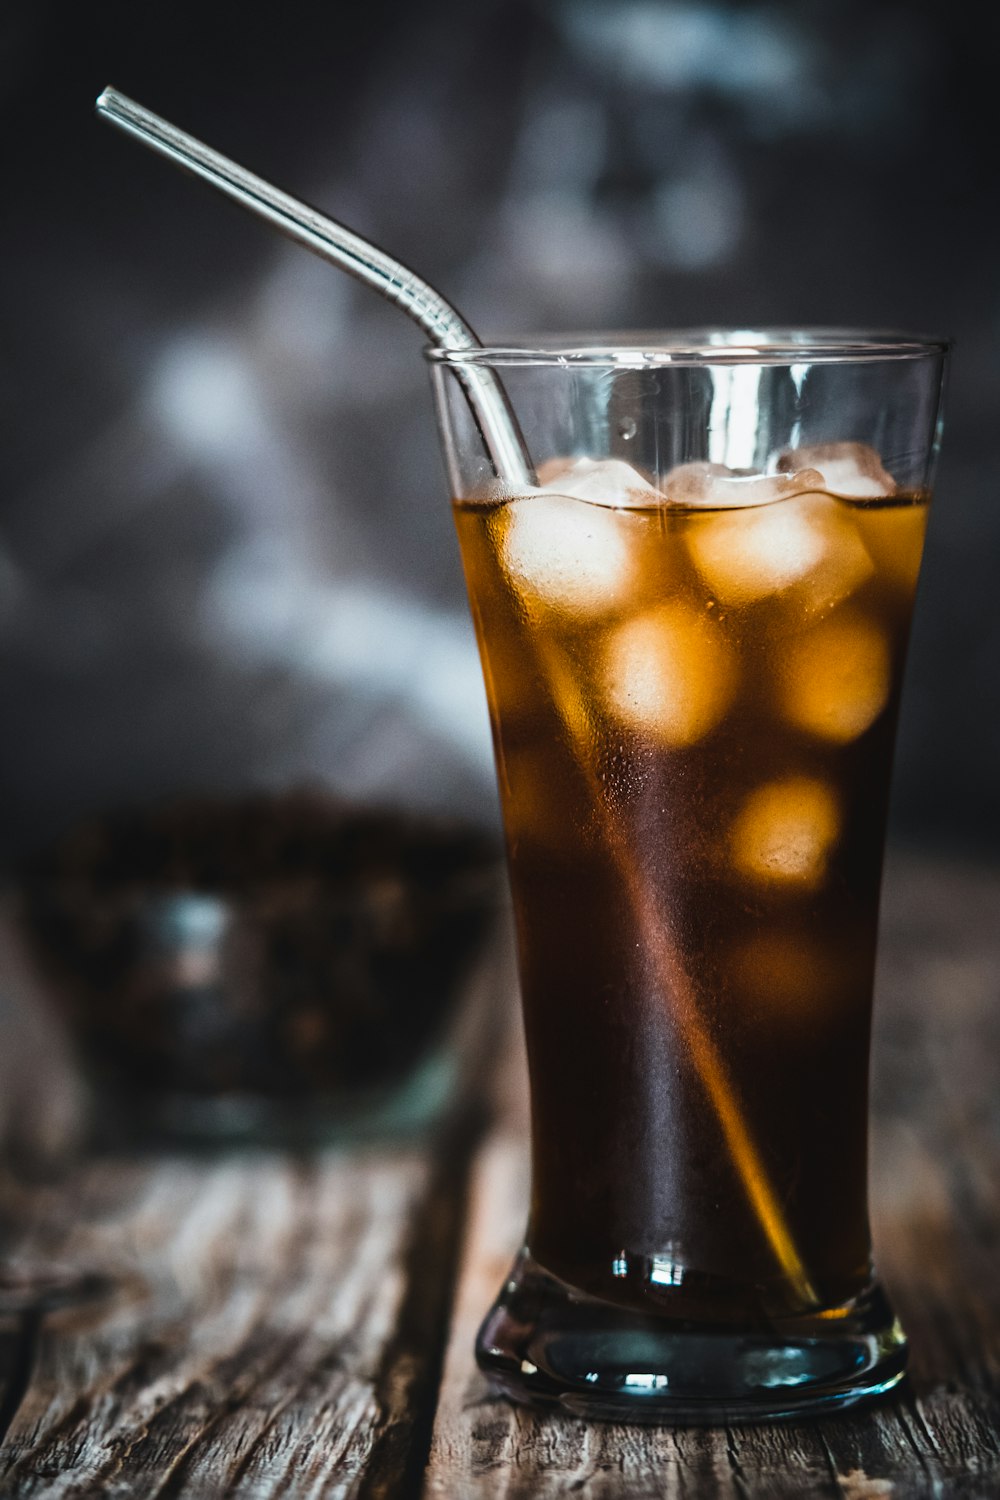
<point x="745" y="556"/>
<point x="851" y="469"/>
<point x="835" y="678"/>
<point x="784" y="832"/>
<point x="669" y="673"/>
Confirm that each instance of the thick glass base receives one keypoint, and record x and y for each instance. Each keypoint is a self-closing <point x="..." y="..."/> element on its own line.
<point x="546" y="1344"/>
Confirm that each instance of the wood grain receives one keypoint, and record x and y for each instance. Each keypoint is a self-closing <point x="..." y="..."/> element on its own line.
<point x="253" y="1335"/>
<point x="936" y="1202"/>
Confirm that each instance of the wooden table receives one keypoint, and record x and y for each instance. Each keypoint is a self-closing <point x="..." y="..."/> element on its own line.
<point x="265" y="1324"/>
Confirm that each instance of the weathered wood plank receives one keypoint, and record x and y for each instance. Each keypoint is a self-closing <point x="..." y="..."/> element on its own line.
<point x="249" y="1340"/>
<point x="936" y="1200"/>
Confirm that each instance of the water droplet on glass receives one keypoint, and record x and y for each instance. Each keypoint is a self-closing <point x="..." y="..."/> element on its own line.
<point x="626" y="430"/>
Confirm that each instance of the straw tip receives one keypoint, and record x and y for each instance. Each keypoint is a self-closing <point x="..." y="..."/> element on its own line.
<point x="105" y="99"/>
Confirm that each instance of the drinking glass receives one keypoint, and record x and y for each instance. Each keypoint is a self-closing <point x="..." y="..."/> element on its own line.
<point x="692" y="631"/>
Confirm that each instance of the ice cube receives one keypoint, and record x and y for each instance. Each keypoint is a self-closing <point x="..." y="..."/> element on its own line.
<point x="562" y="543"/>
<point x="835" y="679"/>
<point x="850" y="469"/>
<point x="669" y="673"/>
<point x="605" y="481"/>
<point x="717" y="487"/>
<point x="784" y="831"/>
<point x="747" y="555"/>
<point x="566" y="554"/>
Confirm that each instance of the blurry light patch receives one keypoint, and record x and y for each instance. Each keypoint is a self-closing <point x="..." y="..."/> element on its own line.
<point x="202" y="392"/>
<point x="265" y="607"/>
<point x="549" y="230"/>
<point x="668" y="46"/>
<point x="302" y="313"/>
<point x="406" y="129"/>
<point x="562" y="142"/>
<point x="783" y="66"/>
<point x="696" y="222"/>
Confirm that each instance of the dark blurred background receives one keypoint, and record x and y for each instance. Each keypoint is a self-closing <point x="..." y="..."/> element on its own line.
<point x="226" y="559"/>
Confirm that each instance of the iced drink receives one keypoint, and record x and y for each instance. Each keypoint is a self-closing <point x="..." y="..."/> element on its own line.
<point x="693" y="679"/>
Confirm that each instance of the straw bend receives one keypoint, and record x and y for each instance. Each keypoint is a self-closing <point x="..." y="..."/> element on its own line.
<point x="334" y="242"/>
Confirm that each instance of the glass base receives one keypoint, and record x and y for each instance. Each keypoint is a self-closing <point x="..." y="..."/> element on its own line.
<point x="546" y="1344"/>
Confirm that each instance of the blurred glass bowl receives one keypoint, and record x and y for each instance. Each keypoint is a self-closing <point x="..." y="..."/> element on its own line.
<point x="278" y="966"/>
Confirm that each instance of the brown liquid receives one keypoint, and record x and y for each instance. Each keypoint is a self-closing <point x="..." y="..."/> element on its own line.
<point x="693" y="716"/>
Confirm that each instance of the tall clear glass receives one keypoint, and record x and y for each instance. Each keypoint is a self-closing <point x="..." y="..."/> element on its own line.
<point x="693" y="632"/>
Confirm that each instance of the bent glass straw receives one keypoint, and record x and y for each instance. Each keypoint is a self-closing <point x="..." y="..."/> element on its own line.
<point x="442" y="324"/>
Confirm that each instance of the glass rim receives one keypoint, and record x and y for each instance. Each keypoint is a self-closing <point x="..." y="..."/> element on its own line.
<point x="686" y="347"/>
